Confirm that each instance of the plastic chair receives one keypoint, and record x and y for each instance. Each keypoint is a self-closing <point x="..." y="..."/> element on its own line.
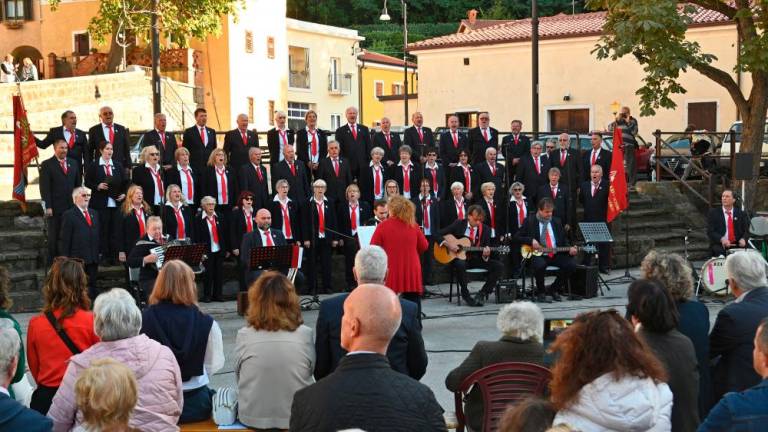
<point x="501" y="384"/>
<point x="470" y="272"/>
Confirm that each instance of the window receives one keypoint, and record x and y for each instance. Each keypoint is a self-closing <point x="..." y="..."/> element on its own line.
<point x="82" y="44"/>
<point x="378" y="88"/>
<point x="397" y="89"/>
<point x="571" y="120"/>
<point x="18" y="9"/>
<point x="250" y="109"/>
<point x="334" y="78"/>
<point x="296" y="113"/>
<point x="248" y="41"/>
<point x="270" y="47"/>
<point x="335" y="121"/>
<point x="271" y="113"/>
<point x="298" y="67"/>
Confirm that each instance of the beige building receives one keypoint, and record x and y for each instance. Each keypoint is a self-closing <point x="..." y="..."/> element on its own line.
<point x="486" y="66"/>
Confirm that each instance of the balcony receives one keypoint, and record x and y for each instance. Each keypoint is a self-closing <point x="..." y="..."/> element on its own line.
<point x="340" y="84"/>
<point x="298" y="79"/>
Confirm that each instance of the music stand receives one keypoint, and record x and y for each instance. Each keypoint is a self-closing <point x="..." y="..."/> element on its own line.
<point x="271" y="257"/>
<point x="596" y="233"/>
<point x="191" y="254"/>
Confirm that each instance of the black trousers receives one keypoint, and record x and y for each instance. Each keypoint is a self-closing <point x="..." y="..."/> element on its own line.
<point x="539" y="265"/>
<point x="214" y="277"/>
<point x="603" y="256"/>
<point x="107" y="219"/>
<point x="493" y="266"/>
<point x="426" y="262"/>
<point x="54" y="230"/>
<point x="717" y="250"/>
<point x="92" y="271"/>
<point x="351" y="246"/>
<point x="322" y="253"/>
<point x="416" y="298"/>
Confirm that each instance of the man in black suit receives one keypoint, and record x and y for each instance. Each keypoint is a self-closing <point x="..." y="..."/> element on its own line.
<point x="479" y="235"/>
<point x="419" y="138"/>
<point x="727" y="227"/>
<point x="200" y="141"/>
<point x="113" y="133"/>
<point x="319" y="215"/>
<point x="569" y="162"/>
<point x="515" y="146"/>
<point x="296" y="174"/>
<point x="364" y="377"/>
<point x="351" y="214"/>
<point x="451" y="142"/>
<point x="594" y="197"/>
<point x="388" y="141"/>
<point x="596" y="156"/>
<point x="543" y="230"/>
<point x="142" y="258"/>
<point x="556" y="191"/>
<point x="435" y="173"/>
<point x="59" y="176"/>
<point x="76" y="140"/>
<point x="428" y="218"/>
<point x="311" y="143"/>
<point x="336" y="172"/>
<point x="278" y="138"/>
<point x="252" y="177"/>
<point x="80" y="236"/>
<point x="355" y="141"/>
<point x="163" y="140"/>
<point x="380" y="213"/>
<point x="482" y="137"/>
<point x="406" y="352"/>
<point x="532" y="171"/>
<point x="265" y="235"/>
<point x="238" y="141"/>
<point x="731" y="342"/>
<point x="489" y="171"/>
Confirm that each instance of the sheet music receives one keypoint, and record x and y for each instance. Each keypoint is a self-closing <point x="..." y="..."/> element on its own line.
<point x="160" y="252"/>
<point x="364" y="234"/>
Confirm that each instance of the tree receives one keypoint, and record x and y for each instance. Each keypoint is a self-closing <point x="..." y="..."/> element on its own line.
<point x="179" y="20"/>
<point x="653" y="31"/>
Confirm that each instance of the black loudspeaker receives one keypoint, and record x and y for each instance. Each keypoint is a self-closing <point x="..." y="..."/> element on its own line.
<point x="743" y="169"/>
<point x="506" y="291"/>
<point x="584" y="281"/>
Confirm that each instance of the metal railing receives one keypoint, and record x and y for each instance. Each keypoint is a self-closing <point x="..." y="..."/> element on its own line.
<point x="174" y="103"/>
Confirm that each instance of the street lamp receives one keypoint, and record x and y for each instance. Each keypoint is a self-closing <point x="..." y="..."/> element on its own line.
<point x="615" y="106"/>
<point x="385" y="17"/>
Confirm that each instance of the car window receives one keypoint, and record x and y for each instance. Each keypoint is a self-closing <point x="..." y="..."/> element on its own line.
<point x="679" y="143"/>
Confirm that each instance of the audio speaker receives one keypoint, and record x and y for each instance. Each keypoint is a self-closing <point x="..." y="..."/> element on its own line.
<point x="584" y="281"/>
<point x="743" y="169"/>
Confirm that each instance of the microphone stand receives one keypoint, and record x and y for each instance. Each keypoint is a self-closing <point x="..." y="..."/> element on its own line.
<point x="626" y="278"/>
<point x="314" y="299"/>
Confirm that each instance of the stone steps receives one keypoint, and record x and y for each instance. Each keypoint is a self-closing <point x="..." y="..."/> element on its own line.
<point x="20" y="261"/>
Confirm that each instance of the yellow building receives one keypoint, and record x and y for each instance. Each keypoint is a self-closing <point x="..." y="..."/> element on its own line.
<point x="488" y="68"/>
<point x="382" y="82"/>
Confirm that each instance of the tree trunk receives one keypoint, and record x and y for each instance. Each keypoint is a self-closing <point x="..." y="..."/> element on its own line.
<point x="753" y="127"/>
<point x="115" y="56"/>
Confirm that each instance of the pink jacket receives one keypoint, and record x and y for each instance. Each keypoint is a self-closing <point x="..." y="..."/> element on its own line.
<point x="157" y="373"/>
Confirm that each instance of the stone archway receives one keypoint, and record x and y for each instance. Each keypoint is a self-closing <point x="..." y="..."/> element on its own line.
<point x="23" y="51"/>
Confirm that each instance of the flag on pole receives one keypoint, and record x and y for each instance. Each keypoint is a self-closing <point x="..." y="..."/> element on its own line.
<point x="617" y="192"/>
<point x="25" y="149"/>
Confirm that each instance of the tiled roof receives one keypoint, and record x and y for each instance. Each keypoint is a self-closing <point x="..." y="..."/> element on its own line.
<point x="557" y="26"/>
<point x="374" y="57"/>
<point x="481" y="23"/>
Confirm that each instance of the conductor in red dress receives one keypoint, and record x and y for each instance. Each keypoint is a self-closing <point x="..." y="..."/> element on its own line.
<point x="404" y="243"/>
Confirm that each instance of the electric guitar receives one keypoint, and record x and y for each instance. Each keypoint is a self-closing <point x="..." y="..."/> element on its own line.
<point x="527" y="251"/>
<point x="443" y="255"/>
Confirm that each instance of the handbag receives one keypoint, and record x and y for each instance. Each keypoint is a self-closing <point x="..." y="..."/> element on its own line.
<point x="225" y="406"/>
<point x="62" y="334"/>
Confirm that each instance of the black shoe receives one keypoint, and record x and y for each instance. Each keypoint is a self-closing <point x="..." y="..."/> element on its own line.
<point x="540" y="298"/>
<point x="206" y="299"/>
<point x="218" y="299"/>
<point x="469" y="301"/>
<point x="479" y="299"/>
<point x="556" y="297"/>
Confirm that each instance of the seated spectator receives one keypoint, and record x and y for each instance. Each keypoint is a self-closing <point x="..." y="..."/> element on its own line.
<point x="5" y="305"/>
<point x="654" y="316"/>
<point x="676" y="276"/>
<point x="117" y="321"/>
<point x="13" y="415"/>
<point x="364" y="392"/>
<point x="531" y="414"/>
<point x="746" y="410"/>
<point x="522" y="328"/>
<point x="198" y="349"/>
<point x="731" y="340"/>
<point x="106" y="395"/>
<point x="607" y="379"/>
<point x="274" y="354"/>
<point x="63" y="329"/>
<point x="406" y="353"/>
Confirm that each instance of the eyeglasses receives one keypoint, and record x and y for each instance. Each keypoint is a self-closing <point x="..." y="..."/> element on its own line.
<point x="516" y="190"/>
<point x="564" y="140"/>
<point x="154" y="154"/>
<point x="247" y="199"/>
<point x="85" y="195"/>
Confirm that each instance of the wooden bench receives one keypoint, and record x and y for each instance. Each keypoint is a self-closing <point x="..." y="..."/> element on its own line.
<point x="204" y="426"/>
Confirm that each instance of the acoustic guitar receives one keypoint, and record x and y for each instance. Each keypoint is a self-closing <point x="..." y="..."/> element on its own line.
<point x="443" y="255"/>
<point x="527" y="251"/>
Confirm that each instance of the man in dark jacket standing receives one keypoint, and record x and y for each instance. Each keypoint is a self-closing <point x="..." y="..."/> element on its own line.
<point x="364" y="392"/>
<point x="80" y="236"/>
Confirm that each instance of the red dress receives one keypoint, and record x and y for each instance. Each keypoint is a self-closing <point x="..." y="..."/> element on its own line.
<point x="403" y="245"/>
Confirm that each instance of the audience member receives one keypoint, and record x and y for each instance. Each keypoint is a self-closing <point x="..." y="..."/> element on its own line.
<point x="5" y="306"/>
<point x="522" y="328"/>
<point x="746" y="410"/>
<point x="732" y="336"/>
<point x="364" y="392"/>
<point x="63" y="329"/>
<point x="653" y="314"/>
<point x="622" y="388"/>
<point x="117" y="321"/>
<point x="199" y="349"/>
<point x="531" y="414"/>
<point x="106" y="395"/>
<point x="406" y="353"/>
<point x="274" y="355"/>
<point x="676" y="276"/>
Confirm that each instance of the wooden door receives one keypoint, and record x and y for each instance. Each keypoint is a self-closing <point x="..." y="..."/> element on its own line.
<point x="703" y="115"/>
<point x="570" y="120"/>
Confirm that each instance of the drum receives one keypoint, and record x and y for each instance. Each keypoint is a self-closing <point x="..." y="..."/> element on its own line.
<point x="713" y="277"/>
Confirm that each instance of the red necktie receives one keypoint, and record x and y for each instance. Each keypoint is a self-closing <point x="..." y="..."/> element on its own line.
<point x="140" y="218"/>
<point x="158" y="182"/>
<point x="293" y="168"/>
<point x="214" y="229"/>
<point x="314" y="144"/>
<point x="731" y="231"/>
<point x="460" y="209"/>
<point x="485" y="135"/>
<point x="283" y="136"/>
<point x="492" y="211"/>
<point x="353" y="128"/>
<point x="336" y="166"/>
<point x="107" y="170"/>
<point x="320" y="218"/>
<point x="111" y="134"/>
<point x="472" y="235"/>
<point x="377" y="181"/>
<point x="63" y="163"/>
<point x="538" y="167"/>
<point x="268" y="236"/>
<point x="162" y="138"/>
<point x="71" y="142"/>
<point x="562" y="157"/>
<point x="520" y="214"/>
<point x="425" y="211"/>
<point x="248" y="222"/>
<point x="554" y="192"/>
<point x="180" y="234"/>
<point x="286" y="221"/>
<point x="517" y="139"/>
<point x="493" y="170"/>
<point x="594" y="189"/>
<point x="244" y="135"/>
<point x="467" y="178"/>
<point x="389" y="140"/>
<point x="434" y="180"/>
<point x="455" y="140"/>
<point x="407" y="179"/>
<point x="594" y="157"/>
<point x="90" y="222"/>
<point x="189" y="184"/>
<point x="258" y="173"/>
<point x="353" y="217"/>
<point x="224" y="190"/>
<point x="548" y="240"/>
<point x="421" y="135"/>
<point x="202" y="135"/>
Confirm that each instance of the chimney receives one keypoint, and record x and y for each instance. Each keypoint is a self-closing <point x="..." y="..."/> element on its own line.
<point x="472" y="15"/>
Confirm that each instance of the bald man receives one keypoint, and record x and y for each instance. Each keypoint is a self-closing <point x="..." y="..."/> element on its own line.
<point x="264" y="235"/>
<point x="364" y="378"/>
<point x="238" y="141"/>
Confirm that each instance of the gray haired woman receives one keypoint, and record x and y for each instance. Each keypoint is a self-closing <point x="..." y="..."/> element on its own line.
<point x="117" y="321"/>
<point x="522" y="328"/>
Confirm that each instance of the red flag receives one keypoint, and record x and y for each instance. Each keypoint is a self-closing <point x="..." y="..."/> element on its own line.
<point x="25" y="149"/>
<point x="617" y="191"/>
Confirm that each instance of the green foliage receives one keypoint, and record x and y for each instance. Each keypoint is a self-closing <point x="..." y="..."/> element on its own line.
<point x="388" y="38"/>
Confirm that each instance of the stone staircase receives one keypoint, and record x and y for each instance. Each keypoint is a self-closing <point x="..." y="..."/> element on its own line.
<point x="22" y="252"/>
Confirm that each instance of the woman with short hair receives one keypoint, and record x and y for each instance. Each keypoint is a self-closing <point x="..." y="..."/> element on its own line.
<point x="274" y="354"/>
<point x="199" y="349"/>
<point x="177" y="215"/>
<point x="106" y="394"/>
<point x="117" y="321"/>
<point x="149" y="174"/>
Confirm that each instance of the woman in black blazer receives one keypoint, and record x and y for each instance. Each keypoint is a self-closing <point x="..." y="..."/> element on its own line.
<point x="150" y="175"/>
<point x="177" y="215"/>
<point x="461" y="172"/>
<point x="131" y="224"/>
<point x="214" y="187"/>
<point x="242" y="221"/>
<point x="106" y="180"/>
<point x="211" y="230"/>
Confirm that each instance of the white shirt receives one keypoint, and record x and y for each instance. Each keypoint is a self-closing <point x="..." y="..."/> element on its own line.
<point x="158" y="198"/>
<point x="204" y="132"/>
<point x="427" y="213"/>
<point x="186" y="186"/>
<point x="105" y="129"/>
<point x="66" y="133"/>
<point x="410" y="173"/>
<point x="214" y="245"/>
<point x="373" y="178"/>
<point x="282" y="139"/>
<point x="325" y="217"/>
<point x="491" y="207"/>
<point x="315" y="158"/>
<point x="284" y="206"/>
<point x="110" y="201"/>
<point x="213" y="361"/>
<point x="220" y="190"/>
<point x="725" y="218"/>
<point x="551" y="232"/>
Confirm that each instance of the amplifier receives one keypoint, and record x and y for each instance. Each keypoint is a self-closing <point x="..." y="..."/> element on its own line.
<point x="584" y="281"/>
<point x="506" y="291"/>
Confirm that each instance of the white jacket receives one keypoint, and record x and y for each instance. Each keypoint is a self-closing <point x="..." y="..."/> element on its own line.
<point x="630" y="404"/>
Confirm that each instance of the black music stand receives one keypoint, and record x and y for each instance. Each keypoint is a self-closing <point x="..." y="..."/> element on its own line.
<point x="271" y="257"/>
<point x="596" y="233"/>
<point x="191" y="254"/>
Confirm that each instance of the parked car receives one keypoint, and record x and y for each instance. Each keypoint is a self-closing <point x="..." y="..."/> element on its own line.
<point x="725" y="152"/>
<point x="710" y="144"/>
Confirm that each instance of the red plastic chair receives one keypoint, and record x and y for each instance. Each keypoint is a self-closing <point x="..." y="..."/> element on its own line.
<point x="501" y="384"/>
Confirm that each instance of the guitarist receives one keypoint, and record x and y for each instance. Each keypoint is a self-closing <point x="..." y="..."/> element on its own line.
<point x="540" y="231"/>
<point x="479" y="235"/>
